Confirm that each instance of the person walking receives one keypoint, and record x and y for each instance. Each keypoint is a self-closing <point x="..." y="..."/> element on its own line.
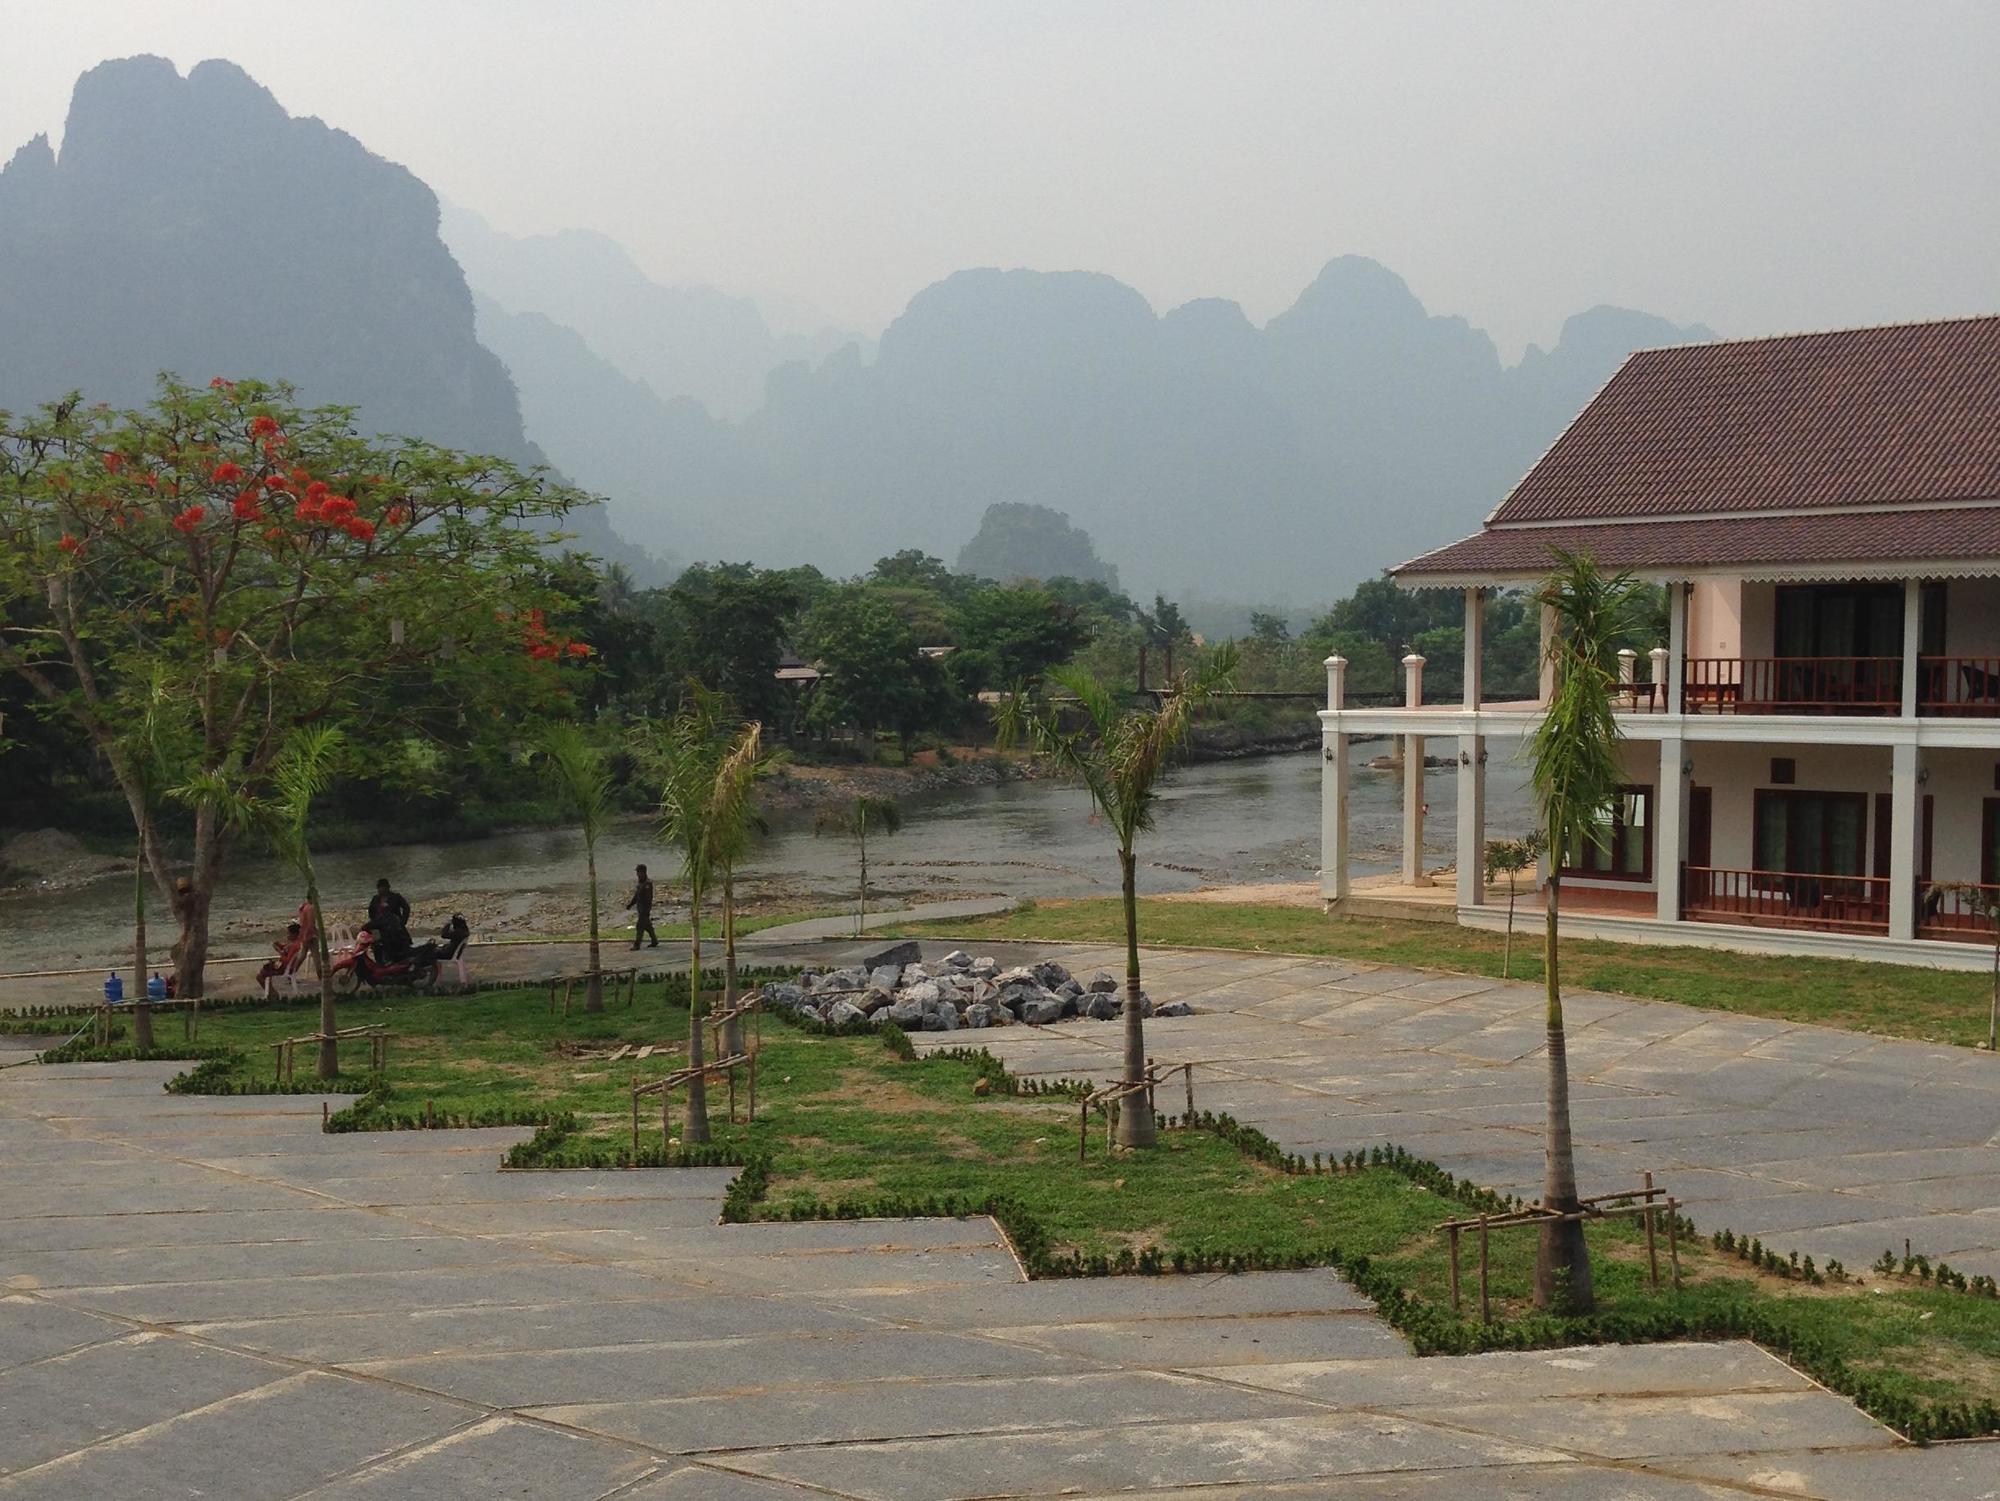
<point x="641" y="905"/>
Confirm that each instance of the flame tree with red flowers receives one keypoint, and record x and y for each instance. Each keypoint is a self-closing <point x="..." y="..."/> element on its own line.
<point x="257" y="569"/>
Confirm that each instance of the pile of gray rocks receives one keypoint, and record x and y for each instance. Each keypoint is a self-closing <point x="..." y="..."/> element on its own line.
<point x="956" y="991"/>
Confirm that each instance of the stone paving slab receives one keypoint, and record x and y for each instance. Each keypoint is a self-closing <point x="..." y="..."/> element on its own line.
<point x="498" y="1457"/>
<point x="1216" y="1342"/>
<point x="1970" y="1471"/>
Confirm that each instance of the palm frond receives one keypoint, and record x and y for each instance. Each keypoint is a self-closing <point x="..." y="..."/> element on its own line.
<point x="578" y="773"/>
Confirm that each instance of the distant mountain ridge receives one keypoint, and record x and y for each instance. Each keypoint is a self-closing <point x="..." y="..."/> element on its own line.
<point x="192" y="225"/>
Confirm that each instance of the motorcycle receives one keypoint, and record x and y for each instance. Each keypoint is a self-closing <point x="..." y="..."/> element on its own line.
<point x="358" y="966"/>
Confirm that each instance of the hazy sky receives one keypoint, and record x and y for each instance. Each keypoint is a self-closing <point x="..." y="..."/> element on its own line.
<point x="1757" y="166"/>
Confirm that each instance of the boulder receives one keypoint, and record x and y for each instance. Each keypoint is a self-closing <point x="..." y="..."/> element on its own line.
<point x="983" y="968"/>
<point x="944" y="1019"/>
<point x="909" y="1015"/>
<point x="841" y="1013"/>
<point x="1020" y="974"/>
<point x="978" y="1016"/>
<point x="1174" y="1008"/>
<point x="914" y="974"/>
<point x="1041" y="1012"/>
<point x="844" y="979"/>
<point x="924" y="993"/>
<point x="1051" y="974"/>
<point x="785" y="995"/>
<point x="1069" y="988"/>
<point x="1102" y="983"/>
<point x="885" y="976"/>
<point x="957" y="959"/>
<point x="906" y="952"/>
<point x="874" y="1001"/>
<point x="1101" y="1006"/>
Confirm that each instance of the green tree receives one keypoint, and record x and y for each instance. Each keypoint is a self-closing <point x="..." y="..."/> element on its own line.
<point x="1013" y="635"/>
<point x="1120" y="757"/>
<point x="856" y="820"/>
<point x="874" y="678"/>
<point x="727" y="626"/>
<point x="1577" y="773"/>
<point x="273" y="572"/>
<point x="282" y="811"/>
<point x="1509" y="857"/>
<point x="581" y="781"/>
<point x="736" y="821"/>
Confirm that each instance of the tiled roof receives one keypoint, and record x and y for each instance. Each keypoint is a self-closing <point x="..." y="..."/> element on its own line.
<point x="1872" y="537"/>
<point x="1868" y="416"/>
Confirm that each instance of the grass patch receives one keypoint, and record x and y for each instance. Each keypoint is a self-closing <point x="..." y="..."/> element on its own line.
<point x="854" y="1125"/>
<point x="1890" y="999"/>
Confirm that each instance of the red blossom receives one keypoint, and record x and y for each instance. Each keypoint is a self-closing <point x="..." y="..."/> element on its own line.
<point x="263" y="427"/>
<point x="317" y="490"/>
<point x="361" y="529"/>
<point x="226" y="473"/>
<point x="70" y="545"/>
<point x="189" y="519"/>
<point x="246" y="507"/>
<point x="335" y="507"/>
<point x="274" y="446"/>
<point x="300" y="477"/>
<point x="114" y="462"/>
<point x="276" y="483"/>
<point x="274" y="534"/>
<point x="219" y="384"/>
<point x="306" y="511"/>
<point x="578" y="649"/>
<point x="397" y="514"/>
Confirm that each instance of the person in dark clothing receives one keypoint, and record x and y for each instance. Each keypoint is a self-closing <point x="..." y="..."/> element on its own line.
<point x="392" y="938"/>
<point x="385" y="903"/>
<point x="456" y="934"/>
<point x="641" y="904"/>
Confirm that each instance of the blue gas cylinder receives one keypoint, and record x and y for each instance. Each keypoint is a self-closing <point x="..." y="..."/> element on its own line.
<point x="114" y="989"/>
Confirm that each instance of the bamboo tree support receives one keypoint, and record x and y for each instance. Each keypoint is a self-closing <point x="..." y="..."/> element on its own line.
<point x="1485" y="1307"/>
<point x="1652" y="1243"/>
<point x="1674" y="1239"/>
<point x="1454" y="1269"/>
<point x="1109" y="1098"/>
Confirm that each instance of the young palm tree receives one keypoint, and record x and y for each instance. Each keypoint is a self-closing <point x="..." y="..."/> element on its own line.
<point x="706" y="768"/>
<point x="1576" y="775"/>
<point x="1984" y="902"/>
<point x="148" y="756"/>
<point x="302" y="771"/>
<point x="1120" y="757"/>
<point x="577" y="773"/>
<point x="1509" y="857"/>
<point x="734" y="819"/>
<point x="855" y="820"/>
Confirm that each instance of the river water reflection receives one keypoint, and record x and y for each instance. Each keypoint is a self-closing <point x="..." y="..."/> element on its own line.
<point x="1239" y="821"/>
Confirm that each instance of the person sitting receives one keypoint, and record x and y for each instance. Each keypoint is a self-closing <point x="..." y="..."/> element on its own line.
<point x="456" y="934"/>
<point x="392" y="938"/>
<point x="289" y="949"/>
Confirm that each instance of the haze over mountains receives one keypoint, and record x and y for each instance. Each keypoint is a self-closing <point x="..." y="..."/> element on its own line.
<point x="1204" y="454"/>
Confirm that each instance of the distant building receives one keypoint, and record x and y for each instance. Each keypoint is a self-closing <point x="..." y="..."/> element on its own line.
<point x="1813" y="755"/>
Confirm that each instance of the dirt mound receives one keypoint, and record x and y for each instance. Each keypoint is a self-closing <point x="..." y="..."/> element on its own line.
<point x="50" y="857"/>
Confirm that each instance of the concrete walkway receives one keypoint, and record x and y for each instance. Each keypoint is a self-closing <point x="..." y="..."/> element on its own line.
<point x="1828" y="1142"/>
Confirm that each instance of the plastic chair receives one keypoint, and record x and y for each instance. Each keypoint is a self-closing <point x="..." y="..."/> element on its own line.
<point x="289" y="974"/>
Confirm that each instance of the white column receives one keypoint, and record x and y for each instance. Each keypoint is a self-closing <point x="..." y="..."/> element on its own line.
<point x="1628" y="676"/>
<point x="1472" y="820"/>
<point x="1334" y="882"/>
<point x="1677" y="646"/>
<point x="1913" y="630"/>
<point x="1475" y="646"/>
<point x="1413" y="779"/>
<point x="1903" y="826"/>
<point x="1670" y="828"/>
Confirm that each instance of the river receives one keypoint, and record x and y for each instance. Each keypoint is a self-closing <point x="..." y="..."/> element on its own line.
<point x="1253" y="820"/>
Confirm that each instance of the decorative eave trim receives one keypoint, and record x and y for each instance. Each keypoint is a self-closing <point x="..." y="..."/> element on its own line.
<point x="1760" y="573"/>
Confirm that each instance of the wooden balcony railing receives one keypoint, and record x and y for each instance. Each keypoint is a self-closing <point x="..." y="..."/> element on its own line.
<point x="1961" y="686"/>
<point x="1794" y="685"/>
<point x="1958" y="910"/>
<point x="1785" y="899"/>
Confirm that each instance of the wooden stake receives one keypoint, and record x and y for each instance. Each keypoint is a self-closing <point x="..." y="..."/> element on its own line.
<point x="1652" y="1245"/>
<point x="1187" y="1071"/>
<point x="1674" y="1240"/>
<point x="1082" y="1131"/>
<point x="635" y="1125"/>
<point x="1454" y="1269"/>
<point x="1485" y="1308"/>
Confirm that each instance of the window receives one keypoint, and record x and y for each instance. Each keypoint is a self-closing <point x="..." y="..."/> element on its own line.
<point x="1623" y="850"/>
<point x="1989" y="842"/>
<point x="1811" y="833"/>
<point x="1784" y="771"/>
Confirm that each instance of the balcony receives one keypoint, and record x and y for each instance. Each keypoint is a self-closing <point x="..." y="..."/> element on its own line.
<point x="1785" y="899"/>
<point x="1959" y="687"/>
<point x="1958" y="912"/>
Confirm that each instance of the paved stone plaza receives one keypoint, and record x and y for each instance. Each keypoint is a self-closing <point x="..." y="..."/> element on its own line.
<point x="210" y="1297"/>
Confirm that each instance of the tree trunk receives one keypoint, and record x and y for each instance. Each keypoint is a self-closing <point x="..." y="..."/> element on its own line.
<point x="329" y="1050"/>
<point x="861" y="917"/>
<point x="1507" y="954"/>
<point x="697" y="1126"/>
<point x="732" y="1030"/>
<point x="142" y="1005"/>
<point x="593" y="989"/>
<point x="191" y="958"/>
<point x="1135" y="1112"/>
<point x="1562" y="1262"/>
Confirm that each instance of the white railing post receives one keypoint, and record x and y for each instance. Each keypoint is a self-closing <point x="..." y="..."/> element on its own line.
<point x="1628" y="676"/>
<point x="1658" y="657"/>
<point x="1334" y="881"/>
<point x="1413" y="778"/>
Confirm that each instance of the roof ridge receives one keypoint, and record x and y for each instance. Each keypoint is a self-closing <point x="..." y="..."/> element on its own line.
<point x="1818" y="333"/>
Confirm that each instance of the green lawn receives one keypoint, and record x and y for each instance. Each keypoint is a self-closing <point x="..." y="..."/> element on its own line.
<point x="617" y="927"/>
<point x="847" y="1126"/>
<point x="1894" y="1000"/>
